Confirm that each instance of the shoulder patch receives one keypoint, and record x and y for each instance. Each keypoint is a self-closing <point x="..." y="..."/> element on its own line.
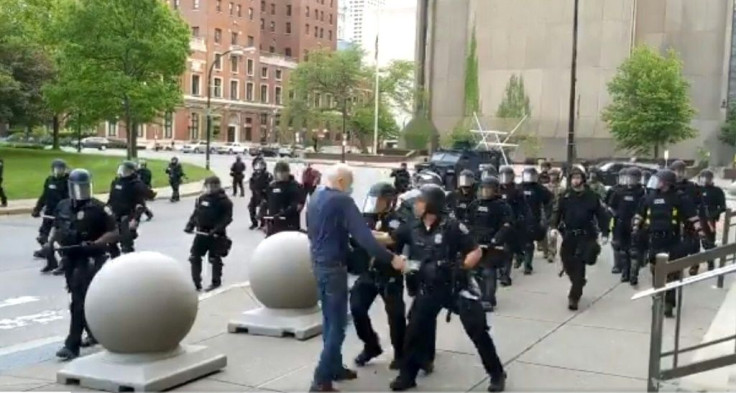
<point x="108" y="211"/>
<point x="463" y="228"/>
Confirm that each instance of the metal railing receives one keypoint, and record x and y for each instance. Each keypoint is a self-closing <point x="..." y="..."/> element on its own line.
<point x="728" y="224"/>
<point x="662" y="269"/>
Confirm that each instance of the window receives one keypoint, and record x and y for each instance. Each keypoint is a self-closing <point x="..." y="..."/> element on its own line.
<point x="139" y="129"/>
<point x="195" y="4"/>
<point x="322" y="16"/>
<point x="234" y="89"/>
<point x="307" y="11"/>
<point x="218" y="61"/>
<point x="218" y="36"/>
<point x="330" y="18"/>
<point x="273" y="27"/>
<point x="250" y="13"/>
<point x="194" y="126"/>
<point x="234" y="38"/>
<point x="263" y="24"/>
<point x="234" y="60"/>
<point x="277" y="95"/>
<point x="196" y="85"/>
<point x="175" y="3"/>
<point x="332" y="3"/>
<point x="316" y="31"/>
<point x="317" y="100"/>
<point x="231" y="8"/>
<point x="218" y="5"/>
<point x="263" y="6"/>
<point x="271" y="49"/>
<point x="288" y="27"/>
<point x="249" y="67"/>
<point x="251" y="41"/>
<point x="240" y="10"/>
<point x="264" y="72"/>
<point x="264" y="118"/>
<point x="288" y="10"/>
<point x="264" y="94"/>
<point x="287" y="52"/>
<point x="278" y="75"/>
<point x="329" y="35"/>
<point x="112" y="128"/>
<point x="217" y="87"/>
<point x="321" y="33"/>
<point x="195" y="31"/>
<point x="249" y="129"/>
<point x="273" y="9"/>
<point x="249" y="91"/>
<point x="307" y="28"/>
<point x="316" y="15"/>
<point x="168" y="125"/>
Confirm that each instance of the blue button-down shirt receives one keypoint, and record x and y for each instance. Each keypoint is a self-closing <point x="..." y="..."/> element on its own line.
<point x="332" y="218"/>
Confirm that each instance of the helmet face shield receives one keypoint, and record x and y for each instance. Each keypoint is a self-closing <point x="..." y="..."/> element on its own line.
<point x="58" y="171"/>
<point x="486" y="192"/>
<point x="529" y="177"/>
<point x="506" y="178"/>
<point x="80" y="191"/>
<point x="465" y="181"/>
<point x="281" y="176"/>
<point x="654" y="183"/>
<point x="124" y="171"/>
<point x="375" y="204"/>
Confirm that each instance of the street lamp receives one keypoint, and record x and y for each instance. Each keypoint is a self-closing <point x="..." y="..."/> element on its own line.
<point x="235" y="51"/>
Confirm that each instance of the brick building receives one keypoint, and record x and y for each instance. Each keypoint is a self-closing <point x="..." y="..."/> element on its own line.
<point x="248" y="85"/>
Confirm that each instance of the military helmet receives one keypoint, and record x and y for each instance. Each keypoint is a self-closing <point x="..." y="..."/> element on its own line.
<point x="58" y="167"/>
<point x="434" y="197"/>
<point x="579" y="170"/>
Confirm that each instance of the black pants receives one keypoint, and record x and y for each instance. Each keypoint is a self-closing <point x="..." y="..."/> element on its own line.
<point x="174" y="190"/>
<point x="276" y="225"/>
<point x="574" y="252"/>
<point x="79" y="274"/>
<point x="419" y="346"/>
<point x="3" y="197"/>
<point x="238" y="183"/>
<point x="487" y="273"/>
<point x="676" y="249"/>
<point x="253" y="205"/>
<point x="626" y="256"/>
<point x="364" y="292"/>
<point x="127" y="238"/>
<point x="205" y="245"/>
<point x="45" y="229"/>
<point x="710" y="235"/>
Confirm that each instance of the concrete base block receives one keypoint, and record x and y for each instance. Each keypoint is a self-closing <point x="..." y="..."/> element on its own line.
<point x="301" y="324"/>
<point x="143" y="372"/>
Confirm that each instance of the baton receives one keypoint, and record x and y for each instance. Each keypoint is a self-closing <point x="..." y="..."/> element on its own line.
<point x="48" y="217"/>
<point x="200" y="233"/>
<point x="274" y="218"/>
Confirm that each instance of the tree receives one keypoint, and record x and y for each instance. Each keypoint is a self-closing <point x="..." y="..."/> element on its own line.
<point x="130" y="55"/>
<point x="728" y="131"/>
<point x="650" y="102"/>
<point x="515" y="103"/>
<point x="397" y="84"/>
<point x="362" y="122"/>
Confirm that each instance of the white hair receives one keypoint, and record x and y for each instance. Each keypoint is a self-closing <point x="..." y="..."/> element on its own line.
<point x="337" y="172"/>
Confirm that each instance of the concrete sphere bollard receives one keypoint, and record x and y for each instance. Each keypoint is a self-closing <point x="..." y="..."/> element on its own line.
<point x="281" y="272"/>
<point x="142" y="302"/>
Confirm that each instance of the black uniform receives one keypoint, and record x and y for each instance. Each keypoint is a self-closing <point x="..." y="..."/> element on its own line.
<point x="402" y="179"/>
<point x="127" y="200"/>
<point x="55" y="189"/>
<point x="384" y="281"/>
<point x="576" y="214"/>
<point x="512" y="194"/>
<point x="460" y="202"/>
<point x="258" y="184"/>
<point x="3" y="197"/>
<point x="282" y="205"/>
<point x="623" y="204"/>
<point x="76" y="225"/>
<point x="538" y="198"/>
<point x="713" y="204"/>
<point x="146" y="177"/>
<point x="237" y="172"/>
<point x="443" y="285"/>
<point x="176" y="174"/>
<point x="211" y="216"/>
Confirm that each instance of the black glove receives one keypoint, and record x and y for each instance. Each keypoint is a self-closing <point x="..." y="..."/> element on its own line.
<point x="35" y="213"/>
<point x="189" y="229"/>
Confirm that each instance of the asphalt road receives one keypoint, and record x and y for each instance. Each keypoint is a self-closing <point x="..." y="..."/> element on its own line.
<point x="34" y="307"/>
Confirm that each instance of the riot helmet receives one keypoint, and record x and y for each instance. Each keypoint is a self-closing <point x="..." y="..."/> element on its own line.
<point x="466" y="178"/>
<point x="645" y="176"/>
<point x="281" y="171"/>
<point x="635" y="176"/>
<point x="174" y="160"/>
<point x="679" y="167"/>
<point x="529" y="175"/>
<point x="427" y="176"/>
<point x="431" y="200"/>
<point x="488" y="188"/>
<point x="577" y="176"/>
<point x="381" y="198"/>
<point x="58" y="168"/>
<point x="259" y="166"/>
<point x="238" y="158"/>
<point x="80" y="185"/>
<point x="705" y="178"/>
<point x="623" y="177"/>
<point x="212" y="185"/>
<point x="126" y="169"/>
<point x="488" y="170"/>
<point x="662" y="180"/>
<point x="506" y="175"/>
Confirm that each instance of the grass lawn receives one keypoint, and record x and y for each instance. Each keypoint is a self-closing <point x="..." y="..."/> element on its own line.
<point x="26" y="170"/>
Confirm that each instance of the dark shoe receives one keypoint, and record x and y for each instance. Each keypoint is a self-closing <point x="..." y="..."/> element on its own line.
<point x="625" y="278"/>
<point x="253" y="226"/>
<point x="669" y="311"/>
<point x="498" y="384"/>
<point x="4" y="204"/>
<point x="66" y="354"/>
<point x="428" y="368"/>
<point x="528" y="271"/>
<point x="694" y="270"/>
<point x="40" y="254"/>
<point x="345" y="374"/>
<point x="616" y="270"/>
<point x="487" y="306"/>
<point x="47" y="269"/>
<point x="89" y="342"/>
<point x="212" y="287"/>
<point x="322" y="387"/>
<point x="395" y="364"/>
<point x="634" y="281"/>
<point x="505" y="281"/>
<point x="59" y="271"/>
<point x="517" y="263"/>
<point x="400" y="384"/>
<point x="711" y="265"/>
<point x="572" y="304"/>
<point x="149" y="217"/>
<point x="366" y="356"/>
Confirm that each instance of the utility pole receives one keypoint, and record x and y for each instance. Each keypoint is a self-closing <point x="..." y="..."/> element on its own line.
<point x="573" y="76"/>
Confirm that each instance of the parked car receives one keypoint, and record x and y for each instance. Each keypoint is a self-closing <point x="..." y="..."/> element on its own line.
<point x="231" y="148"/>
<point x="194" y="147"/>
<point x="609" y="170"/>
<point x="267" y="151"/>
<point x="95" y="142"/>
<point x="285" y="152"/>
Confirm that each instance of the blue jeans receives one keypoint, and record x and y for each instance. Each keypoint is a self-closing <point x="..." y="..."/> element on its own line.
<point x="332" y="283"/>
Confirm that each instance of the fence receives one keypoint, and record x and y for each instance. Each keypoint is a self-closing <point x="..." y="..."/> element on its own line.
<point x="728" y="224"/>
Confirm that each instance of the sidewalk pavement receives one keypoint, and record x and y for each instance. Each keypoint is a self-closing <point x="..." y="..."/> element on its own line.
<point x="603" y="347"/>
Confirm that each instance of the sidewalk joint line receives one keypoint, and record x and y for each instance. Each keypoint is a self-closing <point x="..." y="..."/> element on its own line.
<point x="579" y="370"/>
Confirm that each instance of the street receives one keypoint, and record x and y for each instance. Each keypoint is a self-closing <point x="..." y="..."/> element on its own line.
<point x="34" y="307"/>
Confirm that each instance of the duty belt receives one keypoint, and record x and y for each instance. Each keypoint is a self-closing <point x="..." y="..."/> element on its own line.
<point x="576" y="232"/>
<point x="661" y="235"/>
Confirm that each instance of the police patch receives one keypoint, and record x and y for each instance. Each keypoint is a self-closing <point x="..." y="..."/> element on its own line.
<point x="482" y="209"/>
<point x="462" y="205"/>
<point x="463" y="228"/>
<point x="438" y="238"/>
<point x="276" y="190"/>
<point x="108" y="211"/>
<point x="394" y="224"/>
<point x="80" y="215"/>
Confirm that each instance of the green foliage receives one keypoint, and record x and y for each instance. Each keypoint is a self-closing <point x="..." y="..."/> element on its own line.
<point x="417" y="132"/>
<point x="728" y="131"/>
<point x="362" y="124"/>
<point x="515" y="103"/>
<point x="472" y="90"/>
<point x="120" y="59"/>
<point x="460" y="133"/>
<point x="650" y="102"/>
<point x="397" y="84"/>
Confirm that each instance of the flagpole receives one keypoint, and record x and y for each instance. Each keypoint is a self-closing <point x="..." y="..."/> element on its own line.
<point x="376" y="92"/>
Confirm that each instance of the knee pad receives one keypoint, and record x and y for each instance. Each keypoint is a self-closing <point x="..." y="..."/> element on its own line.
<point x="215" y="261"/>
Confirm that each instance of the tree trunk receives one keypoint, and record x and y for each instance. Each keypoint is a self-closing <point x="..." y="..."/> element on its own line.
<point x="130" y="131"/>
<point x="55" y="132"/>
<point x="656" y="151"/>
<point x="79" y="133"/>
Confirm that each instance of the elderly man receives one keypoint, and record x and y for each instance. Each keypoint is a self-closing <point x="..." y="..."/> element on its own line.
<point x="332" y="217"/>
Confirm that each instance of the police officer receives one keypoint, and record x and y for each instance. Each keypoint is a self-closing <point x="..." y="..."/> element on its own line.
<point x="146" y="177"/>
<point x="713" y="204"/>
<point x="538" y="198"/>
<point x="55" y="189"/>
<point x="3" y="197"/>
<point x="513" y="195"/>
<point x="544" y="178"/>
<point x="662" y="214"/>
<point x="127" y="200"/>
<point x="623" y="205"/>
<point x="379" y="280"/>
<point x="257" y="158"/>
<point x="427" y="176"/>
<point x="402" y="178"/>
<point x="83" y="228"/>
<point x="595" y="184"/>
<point x="213" y="212"/>
<point x="258" y="184"/>
<point x="283" y="197"/>
<point x="491" y="220"/>
<point x="693" y="192"/>
<point x="645" y="176"/>
<point x="576" y="212"/>
<point x="555" y="186"/>
<point x="237" y="172"/>
<point x="434" y="241"/>
<point x="176" y="174"/>
<point x="461" y="199"/>
<point x="488" y="170"/>
<point x="621" y="185"/>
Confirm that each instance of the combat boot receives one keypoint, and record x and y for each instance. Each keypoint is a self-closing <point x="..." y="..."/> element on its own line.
<point x="572" y="304"/>
<point x="67" y="354"/>
<point x="401" y="383"/>
<point x="498" y="384"/>
<point x="367" y="355"/>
